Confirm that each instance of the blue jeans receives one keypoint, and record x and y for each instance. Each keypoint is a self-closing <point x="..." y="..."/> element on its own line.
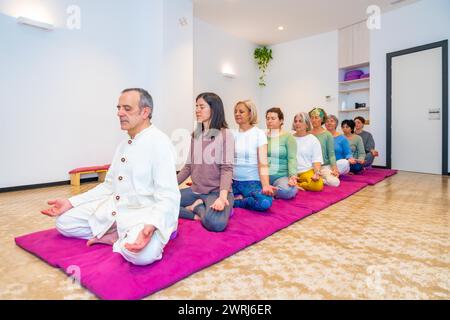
<point x="285" y="191"/>
<point x="254" y="199"/>
<point x="356" y="168"/>
<point x="211" y="219"/>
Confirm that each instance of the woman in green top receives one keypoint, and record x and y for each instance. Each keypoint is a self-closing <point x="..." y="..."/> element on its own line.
<point x="356" y="144"/>
<point x="282" y="155"/>
<point x="329" y="170"/>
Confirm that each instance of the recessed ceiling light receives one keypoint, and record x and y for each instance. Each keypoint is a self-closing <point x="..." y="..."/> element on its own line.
<point x="280" y="28"/>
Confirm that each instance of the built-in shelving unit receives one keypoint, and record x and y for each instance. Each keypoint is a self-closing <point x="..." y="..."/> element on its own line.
<point x="354" y="92"/>
<point x="354" y="54"/>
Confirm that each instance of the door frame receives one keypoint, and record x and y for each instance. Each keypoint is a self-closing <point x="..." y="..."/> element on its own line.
<point x="444" y="114"/>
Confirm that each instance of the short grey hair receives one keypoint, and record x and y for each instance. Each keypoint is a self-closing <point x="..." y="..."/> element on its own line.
<point x="304" y="117"/>
<point x="332" y="116"/>
<point x="145" y="99"/>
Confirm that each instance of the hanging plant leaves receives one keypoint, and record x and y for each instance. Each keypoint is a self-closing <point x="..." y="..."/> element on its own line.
<point x="263" y="56"/>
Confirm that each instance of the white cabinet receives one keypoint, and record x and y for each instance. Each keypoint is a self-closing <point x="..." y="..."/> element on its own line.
<point x="346" y="47"/>
<point x="354" y="45"/>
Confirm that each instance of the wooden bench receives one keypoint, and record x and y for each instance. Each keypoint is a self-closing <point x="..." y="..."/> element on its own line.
<point x="75" y="174"/>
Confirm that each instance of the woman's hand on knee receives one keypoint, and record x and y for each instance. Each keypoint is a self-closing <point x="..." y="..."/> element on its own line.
<point x="269" y="190"/>
<point x="220" y="204"/>
<point x="293" y="181"/>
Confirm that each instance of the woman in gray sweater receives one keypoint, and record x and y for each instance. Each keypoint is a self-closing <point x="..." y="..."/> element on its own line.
<point x="369" y="143"/>
<point x="210" y="166"/>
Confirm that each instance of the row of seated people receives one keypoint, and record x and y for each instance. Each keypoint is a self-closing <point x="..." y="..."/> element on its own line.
<point x="249" y="167"/>
<point x="136" y="209"/>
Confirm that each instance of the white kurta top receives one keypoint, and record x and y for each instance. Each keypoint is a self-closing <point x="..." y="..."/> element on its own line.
<point x="140" y="187"/>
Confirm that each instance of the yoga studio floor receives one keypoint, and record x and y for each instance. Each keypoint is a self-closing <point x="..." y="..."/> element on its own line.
<point x="388" y="241"/>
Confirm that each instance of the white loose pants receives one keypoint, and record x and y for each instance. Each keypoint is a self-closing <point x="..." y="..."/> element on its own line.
<point x="343" y="166"/>
<point x="75" y="224"/>
<point x="328" y="178"/>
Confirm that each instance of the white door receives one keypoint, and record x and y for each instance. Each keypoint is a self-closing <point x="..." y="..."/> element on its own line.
<point x="417" y="112"/>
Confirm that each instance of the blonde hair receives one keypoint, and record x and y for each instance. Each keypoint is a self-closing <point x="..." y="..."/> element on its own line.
<point x="249" y="104"/>
<point x="304" y="117"/>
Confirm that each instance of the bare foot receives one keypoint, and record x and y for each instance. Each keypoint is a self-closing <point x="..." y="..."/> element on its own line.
<point x="108" y="238"/>
<point x="300" y="188"/>
<point x="239" y="197"/>
<point x="196" y="203"/>
<point x="196" y="217"/>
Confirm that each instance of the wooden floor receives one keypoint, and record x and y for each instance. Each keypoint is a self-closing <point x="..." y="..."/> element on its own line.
<point x="388" y="241"/>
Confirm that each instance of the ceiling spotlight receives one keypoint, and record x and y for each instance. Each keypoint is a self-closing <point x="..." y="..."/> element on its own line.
<point x="280" y="28"/>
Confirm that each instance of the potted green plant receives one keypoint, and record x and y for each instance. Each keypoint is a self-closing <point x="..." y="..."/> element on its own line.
<point x="263" y="56"/>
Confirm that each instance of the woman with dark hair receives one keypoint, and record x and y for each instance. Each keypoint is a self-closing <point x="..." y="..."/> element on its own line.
<point x="369" y="143"/>
<point x="210" y="165"/>
<point x="282" y="155"/>
<point x="356" y="144"/>
<point x="328" y="170"/>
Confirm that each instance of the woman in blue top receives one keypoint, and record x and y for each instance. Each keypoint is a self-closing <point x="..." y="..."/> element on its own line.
<point x="342" y="150"/>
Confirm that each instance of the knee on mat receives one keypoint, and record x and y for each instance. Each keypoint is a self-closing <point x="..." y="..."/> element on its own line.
<point x="61" y="225"/>
<point x="145" y="257"/>
<point x="333" y="182"/>
<point x="316" y="186"/>
<point x="142" y="261"/>
<point x="287" y="193"/>
<point x="213" y="225"/>
<point x="263" y="204"/>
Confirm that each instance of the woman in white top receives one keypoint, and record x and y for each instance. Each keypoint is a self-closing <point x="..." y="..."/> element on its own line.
<point x="251" y="185"/>
<point x="309" y="154"/>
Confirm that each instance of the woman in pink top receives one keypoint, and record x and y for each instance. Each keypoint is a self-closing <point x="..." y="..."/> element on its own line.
<point x="210" y="166"/>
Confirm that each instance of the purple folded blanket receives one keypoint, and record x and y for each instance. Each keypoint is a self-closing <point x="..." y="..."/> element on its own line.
<point x="109" y="276"/>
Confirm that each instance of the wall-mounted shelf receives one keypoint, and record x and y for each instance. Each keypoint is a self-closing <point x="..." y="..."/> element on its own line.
<point x="355" y="110"/>
<point x="354" y="81"/>
<point x="353" y="90"/>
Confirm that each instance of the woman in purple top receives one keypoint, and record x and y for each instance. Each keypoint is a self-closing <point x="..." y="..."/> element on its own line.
<point x="210" y="166"/>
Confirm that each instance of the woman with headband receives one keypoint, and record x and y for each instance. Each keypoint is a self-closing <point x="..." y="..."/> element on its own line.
<point x="329" y="170"/>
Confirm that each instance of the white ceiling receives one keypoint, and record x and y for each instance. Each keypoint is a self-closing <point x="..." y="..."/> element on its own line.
<point x="258" y="20"/>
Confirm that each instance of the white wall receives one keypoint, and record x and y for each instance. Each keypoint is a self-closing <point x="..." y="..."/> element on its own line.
<point x="177" y="75"/>
<point x="213" y="49"/>
<point x="421" y="23"/>
<point x="301" y="74"/>
<point x="177" y="72"/>
<point x="59" y="89"/>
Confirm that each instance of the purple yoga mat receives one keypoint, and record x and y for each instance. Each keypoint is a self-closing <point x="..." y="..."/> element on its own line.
<point x="370" y="176"/>
<point x="109" y="276"/>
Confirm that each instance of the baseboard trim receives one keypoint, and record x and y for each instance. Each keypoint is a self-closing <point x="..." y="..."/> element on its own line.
<point x="44" y="185"/>
<point x="380" y="167"/>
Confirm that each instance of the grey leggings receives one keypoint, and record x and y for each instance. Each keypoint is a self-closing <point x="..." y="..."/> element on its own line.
<point x="211" y="219"/>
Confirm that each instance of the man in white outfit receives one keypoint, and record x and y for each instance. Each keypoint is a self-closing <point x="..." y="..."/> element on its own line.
<point x="136" y="208"/>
